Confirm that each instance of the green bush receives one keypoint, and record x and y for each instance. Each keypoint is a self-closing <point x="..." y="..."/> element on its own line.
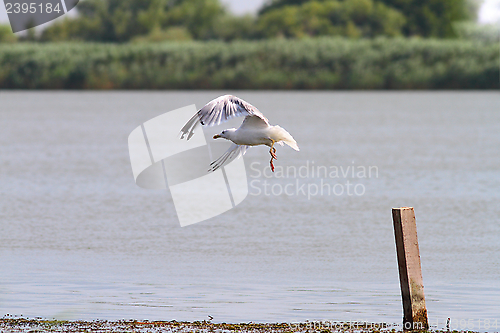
<point x="320" y="63"/>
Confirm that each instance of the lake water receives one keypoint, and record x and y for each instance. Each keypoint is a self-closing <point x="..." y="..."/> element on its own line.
<point x="79" y="240"/>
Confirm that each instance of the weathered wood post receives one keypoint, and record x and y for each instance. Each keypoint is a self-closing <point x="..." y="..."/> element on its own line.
<point x="410" y="271"/>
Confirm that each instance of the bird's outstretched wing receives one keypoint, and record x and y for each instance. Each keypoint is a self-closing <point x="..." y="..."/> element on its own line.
<point x="219" y="110"/>
<point x="254" y="122"/>
<point x="235" y="151"/>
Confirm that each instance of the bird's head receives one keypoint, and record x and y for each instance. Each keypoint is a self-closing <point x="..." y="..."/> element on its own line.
<point x="225" y="134"/>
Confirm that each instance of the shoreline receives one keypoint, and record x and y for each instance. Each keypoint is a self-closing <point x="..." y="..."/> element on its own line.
<point x="11" y="325"/>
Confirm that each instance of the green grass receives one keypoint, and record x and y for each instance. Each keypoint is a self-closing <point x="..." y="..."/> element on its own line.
<point x="322" y="63"/>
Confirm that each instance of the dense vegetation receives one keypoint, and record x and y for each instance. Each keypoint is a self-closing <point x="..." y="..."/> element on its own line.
<point x="354" y="18"/>
<point x="159" y="20"/>
<point x="426" y="18"/>
<point x="319" y="63"/>
<point x="289" y="44"/>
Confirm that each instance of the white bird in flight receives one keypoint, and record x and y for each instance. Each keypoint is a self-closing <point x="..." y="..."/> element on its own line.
<point x="255" y="129"/>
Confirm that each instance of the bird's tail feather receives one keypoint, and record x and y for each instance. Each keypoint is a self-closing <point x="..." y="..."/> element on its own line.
<point x="288" y="139"/>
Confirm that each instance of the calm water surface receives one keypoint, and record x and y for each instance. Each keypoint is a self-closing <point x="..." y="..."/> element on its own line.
<point x="79" y="240"/>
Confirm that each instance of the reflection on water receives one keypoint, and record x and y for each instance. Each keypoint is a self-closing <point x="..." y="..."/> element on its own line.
<point x="80" y="240"/>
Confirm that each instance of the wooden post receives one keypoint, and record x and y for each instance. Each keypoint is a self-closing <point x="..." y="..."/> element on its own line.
<point x="410" y="271"/>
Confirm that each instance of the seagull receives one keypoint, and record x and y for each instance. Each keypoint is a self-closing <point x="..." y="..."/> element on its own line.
<point x="254" y="130"/>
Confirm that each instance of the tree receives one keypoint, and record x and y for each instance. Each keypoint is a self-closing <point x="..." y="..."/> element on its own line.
<point x="102" y="20"/>
<point x="426" y="18"/>
<point x="431" y="18"/>
<point x="198" y="16"/>
<point x="274" y="4"/>
<point x="353" y="18"/>
<point x="124" y="20"/>
<point x="235" y="27"/>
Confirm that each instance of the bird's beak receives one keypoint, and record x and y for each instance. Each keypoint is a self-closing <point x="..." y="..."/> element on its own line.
<point x="216" y="136"/>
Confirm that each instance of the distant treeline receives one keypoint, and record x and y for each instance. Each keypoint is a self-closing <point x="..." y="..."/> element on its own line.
<point x="120" y="21"/>
<point x="320" y="63"/>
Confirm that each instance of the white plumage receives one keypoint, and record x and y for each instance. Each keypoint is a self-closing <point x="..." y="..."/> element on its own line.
<point x="255" y="129"/>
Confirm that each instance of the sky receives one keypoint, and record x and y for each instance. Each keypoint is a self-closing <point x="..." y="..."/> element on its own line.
<point x="244" y="6"/>
<point x="489" y="12"/>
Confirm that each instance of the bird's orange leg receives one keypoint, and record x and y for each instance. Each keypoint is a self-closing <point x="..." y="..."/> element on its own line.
<point x="272" y="151"/>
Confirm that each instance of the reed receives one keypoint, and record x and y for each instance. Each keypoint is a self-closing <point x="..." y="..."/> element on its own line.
<point x="319" y="63"/>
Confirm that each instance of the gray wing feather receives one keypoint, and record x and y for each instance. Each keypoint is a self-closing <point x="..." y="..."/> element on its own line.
<point x="234" y="152"/>
<point x="219" y="110"/>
